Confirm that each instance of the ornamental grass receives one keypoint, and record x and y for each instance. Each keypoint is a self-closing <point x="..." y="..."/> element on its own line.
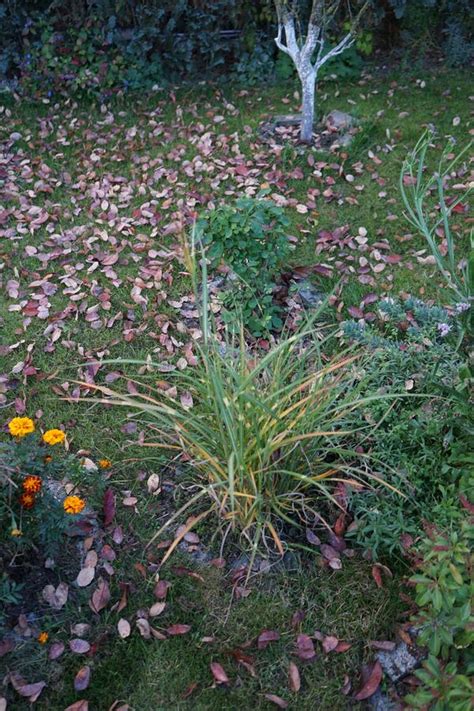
<point x="267" y="439"/>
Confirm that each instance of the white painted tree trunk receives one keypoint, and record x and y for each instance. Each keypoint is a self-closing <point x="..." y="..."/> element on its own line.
<point x="308" y="87"/>
<point x="307" y="52"/>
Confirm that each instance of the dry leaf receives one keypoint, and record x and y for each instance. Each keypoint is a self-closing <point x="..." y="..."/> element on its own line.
<point x="57" y="598"/>
<point x="218" y="673"/>
<point x="85" y="577"/>
<point x="79" y="646"/>
<point x="82" y="678"/>
<point x="100" y="597"/>
<point x="371" y="684"/>
<point x="294" y="675"/>
<point x="124" y="628"/>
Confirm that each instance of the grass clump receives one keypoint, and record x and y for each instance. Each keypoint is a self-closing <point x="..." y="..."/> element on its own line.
<point x="268" y="438"/>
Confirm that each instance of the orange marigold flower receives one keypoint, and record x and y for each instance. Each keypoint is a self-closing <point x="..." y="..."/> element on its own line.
<point x="32" y="484"/>
<point x="43" y="637"/>
<point x="73" y="504"/>
<point x="27" y="501"/>
<point x="54" y="437"/>
<point x="15" y="532"/>
<point x="105" y="463"/>
<point x="21" y="426"/>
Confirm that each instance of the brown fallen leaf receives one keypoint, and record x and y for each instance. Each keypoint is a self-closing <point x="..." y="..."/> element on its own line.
<point x="144" y="628"/>
<point x="79" y="646"/>
<point x="157" y="609"/>
<point x="305" y="647"/>
<point x="29" y="691"/>
<point x="277" y="700"/>
<point x="265" y="637"/>
<point x="342" y="647"/>
<point x="218" y="673"/>
<point x="330" y="643"/>
<point x="371" y="682"/>
<point x="57" y="598"/>
<point x="82" y="678"/>
<point x="55" y="650"/>
<point x="100" y="597"/>
<point x="178" y="629"/>
<point x="346" y="687"/>
<point x="294" y="676"/>
<point x="161" y="589"/>
<point x="124" y="628"/>
<point x="85" y="576"/>
<point x="81" y="705"/>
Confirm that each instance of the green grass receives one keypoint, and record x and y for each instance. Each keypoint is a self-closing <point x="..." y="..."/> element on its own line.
<point x="155" y="675"/>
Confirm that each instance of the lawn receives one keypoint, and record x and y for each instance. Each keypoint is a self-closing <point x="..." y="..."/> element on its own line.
<point x="93" y="204"/>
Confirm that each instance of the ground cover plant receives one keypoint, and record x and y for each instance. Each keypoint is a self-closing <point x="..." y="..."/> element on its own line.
<point x="95" y="200"/>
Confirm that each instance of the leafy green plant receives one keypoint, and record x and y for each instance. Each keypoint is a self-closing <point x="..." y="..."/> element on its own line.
<point x="424" y="436"/>
<point x="250" y="238"/>
<point x="267" y="438"/>
<point x="444" y="593"/>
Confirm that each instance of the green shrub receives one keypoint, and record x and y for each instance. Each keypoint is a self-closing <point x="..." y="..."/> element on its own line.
<point x="444" y="593"/>
<point x="250" y="238"/>
<point x="424" y="434"/>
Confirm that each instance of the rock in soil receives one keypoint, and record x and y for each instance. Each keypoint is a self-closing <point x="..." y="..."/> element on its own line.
<point x="400" y="662"/>
<point x="339" y="121"/>
<point x="309" y="294"/>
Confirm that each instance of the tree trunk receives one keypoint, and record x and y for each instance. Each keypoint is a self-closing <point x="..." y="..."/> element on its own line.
<point x="307" y="118"/>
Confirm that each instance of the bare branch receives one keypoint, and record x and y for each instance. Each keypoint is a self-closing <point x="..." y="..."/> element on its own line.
<point x="344" y="44"/>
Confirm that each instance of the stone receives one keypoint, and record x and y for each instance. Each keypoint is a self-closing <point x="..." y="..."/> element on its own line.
<point x="381" y="702"/>
<point x="344" y="141"/>
<point x="339" y="121"/>
<point x="309" y="294"/>
<point x="400" y="662"/>
<point x="287" y="120"/>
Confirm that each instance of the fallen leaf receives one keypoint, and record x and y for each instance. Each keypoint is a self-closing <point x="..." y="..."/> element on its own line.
<point x="79" y="646"/>
<point x="57" y="598"/>
<point x="305" y="647"/>
<point x="372" y="682"/>
<point x="277" y="700"/>
<point x="85" y="577"/>
<point x="124" y="628"/>
<point x="157" y="609"/>
<point x="294" y="675"/>
<point x="100" y="597"/>
<point x="178" y="629"/>
<point x="81" y="705"/>
<point x="82" y="678"/>
<point x="29" y="691"/>
<point x="144" y="628"/>
<point x="55" y="650"/>
<point x="218" y="673"/>
<point x="265" y="637"/>
<point x="330" y="643"/>
<point x="109" y="507"/>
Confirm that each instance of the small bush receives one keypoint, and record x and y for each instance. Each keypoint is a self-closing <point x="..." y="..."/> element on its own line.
<point x="444" y="593"/>
<point x="35" y="507"/>
<point x="250" y="238"/>
<point x="419" y="438"/>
